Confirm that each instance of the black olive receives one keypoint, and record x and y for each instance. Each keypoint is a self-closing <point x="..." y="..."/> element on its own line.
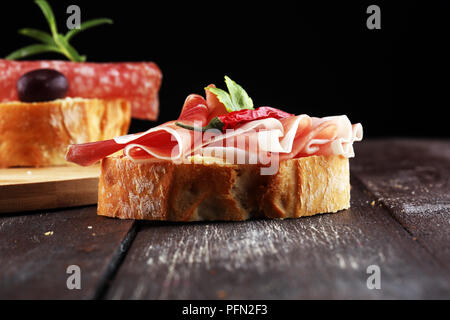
<point x="42" y="85"/>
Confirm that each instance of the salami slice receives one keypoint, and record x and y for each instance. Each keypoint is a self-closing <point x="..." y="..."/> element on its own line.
<point x="137" y="82"/>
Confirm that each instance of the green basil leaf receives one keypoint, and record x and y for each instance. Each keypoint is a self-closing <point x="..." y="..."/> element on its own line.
<point x="87" y="25"/>
<point x="223" y="97"/>
<point x="32" y="50"/>
<point x="239" y="96"/>
<point x="48" y="13"/>
<point x="38" y="35"/>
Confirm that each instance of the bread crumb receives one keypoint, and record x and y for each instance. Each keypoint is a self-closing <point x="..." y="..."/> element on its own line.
<point x="93" y="234"/>
<point x="48" y="233"/>
<point x="89" y="227"/>
<point x="372" y="203"/>
<point x="414" y="238"/>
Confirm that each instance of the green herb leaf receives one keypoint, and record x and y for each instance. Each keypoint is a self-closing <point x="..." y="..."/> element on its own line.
<point x="48" y="13"/>
<point x="39" y="35"/>
<point x="87" y="25"/>
<point x="239" y="96"/>
<point x="68" y="50"/>
<point x="32" y="50"/>
<point x="237" y="99"/>
<point x="53" y="42"/>
<point x="223" y="97"/>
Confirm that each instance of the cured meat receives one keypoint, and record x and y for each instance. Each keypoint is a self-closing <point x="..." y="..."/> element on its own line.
<point x="137" y="82"/>
<point x="195" y="109"/>
<point x="288" y="138"/>
<point x="253" y="142"/>
<point x="166" y="141"/>
<point x="216" y="107"/>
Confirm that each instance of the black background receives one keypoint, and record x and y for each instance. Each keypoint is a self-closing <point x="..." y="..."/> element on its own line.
<point x="317" y="59"/>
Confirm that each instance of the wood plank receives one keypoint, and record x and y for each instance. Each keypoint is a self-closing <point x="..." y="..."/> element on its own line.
<point x="35" y="251"/>
<point x="23" y="189"/>
<point x="412" y="179"/>
<point x="324" y="256"/>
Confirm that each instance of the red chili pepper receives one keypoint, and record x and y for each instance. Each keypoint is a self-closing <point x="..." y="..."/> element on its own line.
<point x="232" y="119"/>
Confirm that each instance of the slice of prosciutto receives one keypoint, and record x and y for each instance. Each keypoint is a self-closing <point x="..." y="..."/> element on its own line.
<point x="288" y="138"/>
<point x="167" y="141"/>
<point x="137" y="82"/>
<point x="254" y="141"/>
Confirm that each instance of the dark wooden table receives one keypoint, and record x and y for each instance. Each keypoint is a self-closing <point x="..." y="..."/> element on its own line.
<point x="399" y="221"/>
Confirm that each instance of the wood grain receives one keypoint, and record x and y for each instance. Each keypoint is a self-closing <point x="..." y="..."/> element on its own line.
<point x="399" y="220"/>
<point x="323" y="256"/>
<point x="412" y="179"/>
<point x="35" y="251"/>
<point x="23" y="189"/>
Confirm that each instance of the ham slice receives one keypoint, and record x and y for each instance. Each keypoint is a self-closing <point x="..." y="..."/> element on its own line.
<point x="216" y="107"/>
<point x="252" y="142"/>
<point x="293" y="137"/>
<point x="167" y="141"/>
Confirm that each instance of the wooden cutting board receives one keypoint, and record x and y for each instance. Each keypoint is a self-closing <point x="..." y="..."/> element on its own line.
<point x="23" y="189"/>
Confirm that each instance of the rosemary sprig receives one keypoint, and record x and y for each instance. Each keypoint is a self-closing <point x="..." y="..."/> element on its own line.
<point x="53" y="41"/>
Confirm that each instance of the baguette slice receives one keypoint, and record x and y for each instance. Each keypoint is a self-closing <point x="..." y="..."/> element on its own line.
<point x="37" y="134"/>
<point x="163" y="190"/>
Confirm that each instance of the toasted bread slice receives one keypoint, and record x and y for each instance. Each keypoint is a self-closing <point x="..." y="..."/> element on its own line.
<point x="37" y="134"/>
<point x="163" y="190"/>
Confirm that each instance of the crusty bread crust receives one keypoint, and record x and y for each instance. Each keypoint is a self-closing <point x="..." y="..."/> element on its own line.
<point x="163" y="190"/>
<point x="37" y="134"/>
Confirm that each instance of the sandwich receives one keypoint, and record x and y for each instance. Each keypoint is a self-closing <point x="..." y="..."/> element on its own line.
<point x="47" y="105"/>
<point x="224" y="159"/>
